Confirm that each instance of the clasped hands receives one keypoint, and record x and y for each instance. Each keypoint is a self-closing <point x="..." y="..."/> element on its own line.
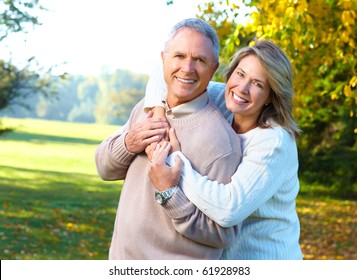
<point x="162" y="175"/>
<point x="158" y="140"/>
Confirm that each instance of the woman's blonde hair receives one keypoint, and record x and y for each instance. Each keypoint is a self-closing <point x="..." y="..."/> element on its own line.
<point x="280" y="76"/>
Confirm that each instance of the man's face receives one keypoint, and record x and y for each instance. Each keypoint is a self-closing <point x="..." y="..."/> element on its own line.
<point x="188" y="66"/>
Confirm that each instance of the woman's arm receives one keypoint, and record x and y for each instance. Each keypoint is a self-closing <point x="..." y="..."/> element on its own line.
<point x="156" y="89"/>
<point x="187" y="219"/>
<point x="265" y="163"/>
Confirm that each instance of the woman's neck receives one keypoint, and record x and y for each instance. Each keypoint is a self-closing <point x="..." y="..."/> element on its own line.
<point x="243" y="125"/>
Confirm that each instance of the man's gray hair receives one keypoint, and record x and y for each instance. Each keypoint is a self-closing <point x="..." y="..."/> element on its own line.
<point x="200" y="26"/>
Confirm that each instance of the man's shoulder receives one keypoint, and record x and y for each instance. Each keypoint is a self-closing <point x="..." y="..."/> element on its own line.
<point x="138" y="109"/>
<point x="216" y="128"/>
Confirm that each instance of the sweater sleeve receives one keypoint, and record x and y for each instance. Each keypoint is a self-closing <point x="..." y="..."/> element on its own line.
<point x="189" y="221"/>
<point x="156" y="89"/>
<point x="112" y="158"/>
<point x="262" y="170"/>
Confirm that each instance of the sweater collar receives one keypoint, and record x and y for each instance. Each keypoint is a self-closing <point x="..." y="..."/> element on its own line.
<point x="187" y="108"/>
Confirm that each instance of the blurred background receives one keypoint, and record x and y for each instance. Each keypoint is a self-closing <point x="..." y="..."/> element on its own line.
<point x="71" y="71"/>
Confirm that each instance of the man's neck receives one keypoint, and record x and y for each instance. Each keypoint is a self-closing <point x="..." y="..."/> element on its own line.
<point x="184" y="108"/>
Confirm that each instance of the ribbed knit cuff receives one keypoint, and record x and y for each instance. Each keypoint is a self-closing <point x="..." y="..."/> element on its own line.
<point x="120" y="152"/>
<point x="178" y="206"/>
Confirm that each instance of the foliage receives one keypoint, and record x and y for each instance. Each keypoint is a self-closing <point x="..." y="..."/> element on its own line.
<point x="54" y="206"/>
<point x="17" y="85"/>
<point x="328" y="228"/>
<point x="106" y="98"/>
<point x="319" y="36"/>
<point x="119" y="93"/>
<point x="17" y="16"/>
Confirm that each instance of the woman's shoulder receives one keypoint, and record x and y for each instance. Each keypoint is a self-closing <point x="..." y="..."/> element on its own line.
<point x="275" y="135"/>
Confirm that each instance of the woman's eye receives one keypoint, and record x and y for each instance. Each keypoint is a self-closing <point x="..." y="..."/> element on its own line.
<point x="259" y="85"/>
<point x="240" y="74"/>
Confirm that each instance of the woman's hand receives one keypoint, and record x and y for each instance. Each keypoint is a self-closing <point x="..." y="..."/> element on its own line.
<point x="175" y="143"/>
<point x="163" y="176"/>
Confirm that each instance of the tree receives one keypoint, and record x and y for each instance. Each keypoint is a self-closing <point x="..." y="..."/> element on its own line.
<point x="319" y="36"/>
<point x="118" y="93"/>
<point x="17" y="16"/>
<point x="18" y="84"/>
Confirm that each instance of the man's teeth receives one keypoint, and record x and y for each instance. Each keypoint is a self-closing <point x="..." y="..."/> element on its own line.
<point x="186" y="81"/>
<point x="237" y="98"/>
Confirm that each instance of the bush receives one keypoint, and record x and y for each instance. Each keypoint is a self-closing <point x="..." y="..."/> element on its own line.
<point x="335" y="168"/>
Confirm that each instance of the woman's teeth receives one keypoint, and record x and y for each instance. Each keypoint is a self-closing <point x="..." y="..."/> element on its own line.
<point x="239" y="99"/>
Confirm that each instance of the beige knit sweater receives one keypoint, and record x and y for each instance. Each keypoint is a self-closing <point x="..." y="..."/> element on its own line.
<point x="146" y="230"/>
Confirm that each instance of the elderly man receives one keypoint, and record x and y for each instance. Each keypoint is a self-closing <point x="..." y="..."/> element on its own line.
<point x="153" y="224"/>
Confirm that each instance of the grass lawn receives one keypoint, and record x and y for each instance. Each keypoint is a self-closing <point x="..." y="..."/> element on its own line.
<point x="54" y="206"/>
<point x="52" y="203"/>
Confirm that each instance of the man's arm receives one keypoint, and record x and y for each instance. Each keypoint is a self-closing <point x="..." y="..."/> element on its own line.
<point x="189" y="221"/>
<point x="114" y="155"/>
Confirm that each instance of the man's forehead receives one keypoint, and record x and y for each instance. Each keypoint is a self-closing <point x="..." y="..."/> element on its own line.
<point x="188" y="40"/>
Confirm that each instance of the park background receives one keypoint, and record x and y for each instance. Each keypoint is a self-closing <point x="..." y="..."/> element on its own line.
<point x="53" y="114"/>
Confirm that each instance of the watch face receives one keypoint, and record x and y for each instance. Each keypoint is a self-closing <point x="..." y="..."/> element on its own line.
<point x="159" y="198"/>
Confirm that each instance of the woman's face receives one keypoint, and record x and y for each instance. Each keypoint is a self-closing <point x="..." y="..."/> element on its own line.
<point x="248" y="89"/>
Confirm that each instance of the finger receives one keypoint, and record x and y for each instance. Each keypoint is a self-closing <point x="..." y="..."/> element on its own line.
<point x="166" y="135"/>
<point x="150" y="114"/>
<point x="178" y="166"/>
<point x="151" y="140"/>
<point x="153" y="126"/>
<point x="161" y="152"/>
<point x="161" y="121"/>
<point x="152" y="133"/>
<point x="173" y="140"/>
<point x="150" y="149"/>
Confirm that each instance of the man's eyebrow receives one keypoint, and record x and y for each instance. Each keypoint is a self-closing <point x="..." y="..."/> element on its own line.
<point x="202" y="57"/>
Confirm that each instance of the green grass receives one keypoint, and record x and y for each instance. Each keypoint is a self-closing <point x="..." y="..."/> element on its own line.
<point x="52" y="203"/>
<point x="54" y="206"/>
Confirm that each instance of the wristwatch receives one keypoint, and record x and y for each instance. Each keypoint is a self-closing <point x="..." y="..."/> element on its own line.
<point x="164" y="196"/>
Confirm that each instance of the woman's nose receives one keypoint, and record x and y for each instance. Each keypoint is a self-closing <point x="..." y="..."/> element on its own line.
<point x="244" y="86"/>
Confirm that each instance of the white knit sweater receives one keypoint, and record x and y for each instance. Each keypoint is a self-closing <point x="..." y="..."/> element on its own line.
<point x="262" y="192"/>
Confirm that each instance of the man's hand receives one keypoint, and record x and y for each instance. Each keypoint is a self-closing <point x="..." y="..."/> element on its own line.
<point x="175" y="144"/>
<point x="144" y="133"/>
<point x="163" y="176"/>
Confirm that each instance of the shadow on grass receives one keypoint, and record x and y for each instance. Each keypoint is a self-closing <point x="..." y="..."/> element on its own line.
<point x="55" y="215"/>
<point x="42" y="138"/>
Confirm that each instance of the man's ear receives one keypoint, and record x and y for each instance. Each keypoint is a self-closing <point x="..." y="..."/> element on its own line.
<point x="216" y="67"/>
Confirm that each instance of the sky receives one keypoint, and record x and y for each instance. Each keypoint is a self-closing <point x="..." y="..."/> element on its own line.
<point x="83" y="36"/>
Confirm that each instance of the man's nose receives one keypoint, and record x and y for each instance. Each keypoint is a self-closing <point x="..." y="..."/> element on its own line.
<point x="187" y="65"/>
